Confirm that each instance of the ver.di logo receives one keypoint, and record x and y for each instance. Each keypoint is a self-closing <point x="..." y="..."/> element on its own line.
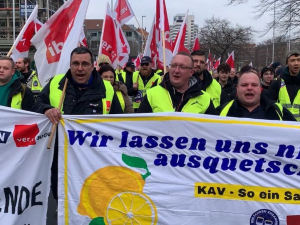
<point x="264" y="217"/>
<point x="24" y="135"/>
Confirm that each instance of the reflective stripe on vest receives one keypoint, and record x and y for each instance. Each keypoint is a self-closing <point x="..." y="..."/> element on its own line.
<point x="226" y="109"/>
<point x="141" y="88"/>
<point x="16" y="101"/>
<point x="160" y="101"/>
<point x="284" y="100"/>
<point x="214" y="90"/>
<point x="35" y="85"/>
<point x="121" y="99"/>
<point x="55" y="94"/>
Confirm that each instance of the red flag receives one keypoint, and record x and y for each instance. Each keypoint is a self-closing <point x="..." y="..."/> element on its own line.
<point x="137" y="61"/>
<point x="109" y="39"/>
<point x="196" y="44"/>
<point x="22" y="43"/>
<point x="150" y="47"/>
<point x="162" y="24"/>
<point x="38" y="25"/>
<point x="217" y="63"/>
<point x="57" y="38"/>
<point x="230" y="60"/>
<point x="180" y="38"/>
<point x="123" y="12"/>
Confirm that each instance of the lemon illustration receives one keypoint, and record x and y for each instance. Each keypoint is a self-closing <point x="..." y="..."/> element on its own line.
<point x="130" y="208"/>
<point x="105" y="183"/>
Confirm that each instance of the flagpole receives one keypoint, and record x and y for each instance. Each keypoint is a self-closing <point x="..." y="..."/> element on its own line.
<point x="164" y="51"/>
<point x="54" y="126"/>
<point x="14" y="20"/>
<point x="140" y="27"/>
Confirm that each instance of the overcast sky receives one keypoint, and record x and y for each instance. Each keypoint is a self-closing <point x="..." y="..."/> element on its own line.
<point x="201" y="9"/>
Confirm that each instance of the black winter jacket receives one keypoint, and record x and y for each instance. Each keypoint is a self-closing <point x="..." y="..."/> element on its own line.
<point x="85" y="102"/>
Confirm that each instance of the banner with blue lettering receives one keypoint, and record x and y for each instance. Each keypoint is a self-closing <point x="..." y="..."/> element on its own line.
<point x="25" y="164"/>
<point x="177" y="168"/>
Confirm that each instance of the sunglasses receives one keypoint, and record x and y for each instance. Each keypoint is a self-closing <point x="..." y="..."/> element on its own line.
<point x="144" y="64"/>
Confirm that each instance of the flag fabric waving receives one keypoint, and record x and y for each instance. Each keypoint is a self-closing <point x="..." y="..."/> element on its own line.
<point x="217" y="63"/>
<point x="125" y="48"/>
<point x="230" y="60"/>
<point x="123" y="12"/>
<point x="196" y="45"/>
<point x="180" y="38"/>
<point x="109" y="44"/>
<point x="150" y="47"/>
<point x="57" y="39"/>
<point x="22" y="43"/>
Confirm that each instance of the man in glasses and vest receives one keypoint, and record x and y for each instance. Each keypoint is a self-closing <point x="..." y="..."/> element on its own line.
<point x="13" y="93"/>
<point x="86" y="94"/>
<point x="143" y="80"/>
<point x="179" y="91"/>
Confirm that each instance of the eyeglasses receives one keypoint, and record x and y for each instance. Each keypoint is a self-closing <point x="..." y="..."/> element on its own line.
<point x="83" y="64"/>
<point x="144" y="64"/>
<point x="103" y="63"/>
<point x="174" y="66"/>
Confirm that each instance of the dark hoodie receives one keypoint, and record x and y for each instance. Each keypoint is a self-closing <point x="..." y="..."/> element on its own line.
<point x="292" y="85"/>
<point x="178" y="99"/>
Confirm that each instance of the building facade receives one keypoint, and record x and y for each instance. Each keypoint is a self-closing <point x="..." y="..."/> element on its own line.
<point x="7" y="31"/>
<point x="191" y="30"/>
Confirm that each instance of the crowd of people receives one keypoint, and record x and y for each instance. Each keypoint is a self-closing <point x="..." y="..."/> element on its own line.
<point x="187" y="86"/>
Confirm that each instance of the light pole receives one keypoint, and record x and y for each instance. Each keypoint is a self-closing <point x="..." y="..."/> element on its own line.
<point x="143" y="33"/>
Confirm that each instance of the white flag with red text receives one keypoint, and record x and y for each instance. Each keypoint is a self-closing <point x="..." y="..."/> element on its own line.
<point x="125" y="48"/>
<point x="82" y="39"/>
<point x="137" y="61"/>
<point x="180" y="38"/>
<point x="150" y="47"/>
<point x="109" y="44"/>
<point x="57" y="39"/>
<point x="123" y="12"/>
<point x="22" y="43"/>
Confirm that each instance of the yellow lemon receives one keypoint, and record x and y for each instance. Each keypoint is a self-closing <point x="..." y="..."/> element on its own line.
<point x="131" y="208"/>
<point x="103" y="184"/>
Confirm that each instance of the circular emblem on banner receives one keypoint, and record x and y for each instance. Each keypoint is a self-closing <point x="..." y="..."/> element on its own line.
<point x="264" y="217"/>
<point x="138" y="97"/>
<point x="35" y="83"/>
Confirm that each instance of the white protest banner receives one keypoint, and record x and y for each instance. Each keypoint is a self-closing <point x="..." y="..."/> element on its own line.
<point x="25" y="165"/>
<point x="177" y="168"/>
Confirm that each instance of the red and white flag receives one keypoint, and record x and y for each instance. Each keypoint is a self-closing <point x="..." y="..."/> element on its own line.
<point x="82" y="39"/>
<point x="209" y="61"/>
<point x="230" y="60"/>
<point x="22" y="43"/>
<point x="150" y="47"/>
<point x="180" y="38"/>
<point x="137" y="61"/>
<point x="196" y="45"/>
<point x="217" y="63"/>
<point x="123" y="12"/>
<point x="124" y="54"/>
<point x="57" y="39"/>
<point x="162" y="24"/>
<point x="109" y="44"/>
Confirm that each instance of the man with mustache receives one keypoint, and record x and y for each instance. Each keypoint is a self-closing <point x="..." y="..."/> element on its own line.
<point x="208" y="84"/>
<point x="286" y="90"/>
<point x="251" y="102"/>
